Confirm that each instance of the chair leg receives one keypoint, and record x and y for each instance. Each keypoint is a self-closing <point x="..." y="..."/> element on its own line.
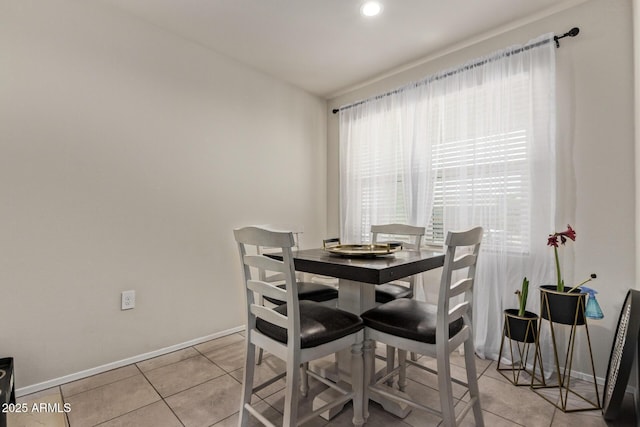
<point x="247" y="383"/>
<point x="357" y="379"/>
<point x="472" y="381"/>
<point x="292" y="391"/>
<point x="445" y="388"/>
<point x="369" y="373"/>
<point x="304" y="379"/>
<point x="260" y="350"/>
<point x="402" y="377"/>
<point x="391" y="356"/>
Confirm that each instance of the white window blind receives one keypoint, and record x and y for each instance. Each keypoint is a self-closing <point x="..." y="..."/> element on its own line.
<point x="474" y="169"/>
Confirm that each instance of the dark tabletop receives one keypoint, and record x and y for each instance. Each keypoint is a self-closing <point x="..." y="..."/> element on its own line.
<point x="376" y="270"/>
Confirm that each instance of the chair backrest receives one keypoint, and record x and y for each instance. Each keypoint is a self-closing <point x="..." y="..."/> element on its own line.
<point x="462" y="249"/>
<point x="409" y="235"/>
<point x="256" y="267"/>
<point x="271" y="277"/>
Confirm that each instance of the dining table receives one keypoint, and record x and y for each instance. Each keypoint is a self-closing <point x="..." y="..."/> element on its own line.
<point x="358" y="277"/>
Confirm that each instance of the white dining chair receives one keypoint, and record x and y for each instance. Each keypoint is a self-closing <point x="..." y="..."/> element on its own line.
<point x="296" y="332"/>
<point x="307" y="290"/>
<point x="411" y="238"/>
<point x="434" y="330"/>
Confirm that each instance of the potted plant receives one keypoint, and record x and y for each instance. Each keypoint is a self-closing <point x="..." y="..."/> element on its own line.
<point x="558" y="304"/>
<point x="520" y="324"/>
<point x="521" y="327"/>
<point x="568" y="307"/>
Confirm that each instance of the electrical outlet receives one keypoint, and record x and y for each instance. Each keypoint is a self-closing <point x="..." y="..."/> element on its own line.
<point x="128" y="300"/>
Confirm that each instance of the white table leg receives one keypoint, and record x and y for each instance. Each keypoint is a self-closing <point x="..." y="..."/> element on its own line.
<point x="355" y="297"/>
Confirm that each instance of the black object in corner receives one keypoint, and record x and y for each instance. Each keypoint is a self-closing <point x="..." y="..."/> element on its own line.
<point x="7" y="388"/>
<point x="623" y="355"/>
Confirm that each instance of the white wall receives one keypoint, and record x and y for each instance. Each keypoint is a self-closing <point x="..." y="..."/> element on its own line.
<point x="596" y="133"/>
<point x="127" y="156"/>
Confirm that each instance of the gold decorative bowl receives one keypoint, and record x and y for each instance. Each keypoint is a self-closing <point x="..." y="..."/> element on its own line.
<point x="363" y="250"/>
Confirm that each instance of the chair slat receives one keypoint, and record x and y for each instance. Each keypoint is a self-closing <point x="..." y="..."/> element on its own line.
<point x="411" y="236"/>
<point x="460" y="287"/>
<point x="465" y="238"/>
<point x="269" y="315"/>
<point x="264" y="263"/>
<point x="404" y="229"/>
<point x="465" y="260"/>
<point x="458" y="311"/>
<point x="267" y="289"/>
<point x="271" y="278"/>
<point x="263" y="237"/>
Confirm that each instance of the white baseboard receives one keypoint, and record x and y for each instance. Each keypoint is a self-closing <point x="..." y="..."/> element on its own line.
<point x="120" y="363"/>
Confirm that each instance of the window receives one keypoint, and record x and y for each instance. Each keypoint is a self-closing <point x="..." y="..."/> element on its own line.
<point x="469" y="146"/>
<point x="476" y="155"/>
<point x="475" y="167"/>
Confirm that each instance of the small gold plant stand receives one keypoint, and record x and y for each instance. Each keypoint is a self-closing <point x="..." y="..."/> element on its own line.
<point x="521" y="332"/>
<point x="565" y="308"/>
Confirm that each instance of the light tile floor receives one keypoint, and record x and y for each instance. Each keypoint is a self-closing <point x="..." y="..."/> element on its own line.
<point x="200" y="386"/>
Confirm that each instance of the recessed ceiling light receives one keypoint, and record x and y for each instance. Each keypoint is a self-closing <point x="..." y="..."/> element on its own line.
<point x="371" y="8"/>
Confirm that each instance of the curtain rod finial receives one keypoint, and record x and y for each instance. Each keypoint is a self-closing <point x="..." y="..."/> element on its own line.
<point x="571" y="33"/>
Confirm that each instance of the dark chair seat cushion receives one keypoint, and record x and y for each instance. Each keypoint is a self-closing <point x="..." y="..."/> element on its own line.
<point x="408" y="318"/>
<point x="310" y="291"/>
<point x="389" y="292"/>
<point x="319" y="324"/>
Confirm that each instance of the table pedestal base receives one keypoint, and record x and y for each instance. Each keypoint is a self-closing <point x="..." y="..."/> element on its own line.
<point x="326" y="369"/>
<point x="329" y="395"/>
<point x="330" y="371"/>
<point x="400" y="410"/>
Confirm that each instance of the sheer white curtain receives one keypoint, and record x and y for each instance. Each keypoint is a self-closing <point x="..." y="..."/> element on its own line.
<point x="470" y="146"/>
<point x="385" y="173"/>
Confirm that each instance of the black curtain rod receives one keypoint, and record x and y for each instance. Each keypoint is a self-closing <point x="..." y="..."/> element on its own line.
<point x="571" y="33"/>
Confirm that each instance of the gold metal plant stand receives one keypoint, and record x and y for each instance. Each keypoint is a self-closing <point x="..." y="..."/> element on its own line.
<point x="522" y="344"/>
<point x="564" y="385"/>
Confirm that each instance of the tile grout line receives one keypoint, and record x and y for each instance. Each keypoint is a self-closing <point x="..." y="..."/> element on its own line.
<point x="101" y="385"/>
<point x="498" y="415"/>
<point x="162" y="398"/>
<point x="212" y="361"/>
<point x="127" y="413"/>
<point x="168" y="364"/>
<point x="191" y="387"/>
<point x="110" y="383"/>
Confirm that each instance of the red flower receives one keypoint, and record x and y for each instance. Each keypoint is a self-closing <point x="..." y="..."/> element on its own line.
<point x="569" y="233"/>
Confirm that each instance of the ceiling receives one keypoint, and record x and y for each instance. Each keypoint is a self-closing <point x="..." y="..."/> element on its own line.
<point x="326" y="46"/>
